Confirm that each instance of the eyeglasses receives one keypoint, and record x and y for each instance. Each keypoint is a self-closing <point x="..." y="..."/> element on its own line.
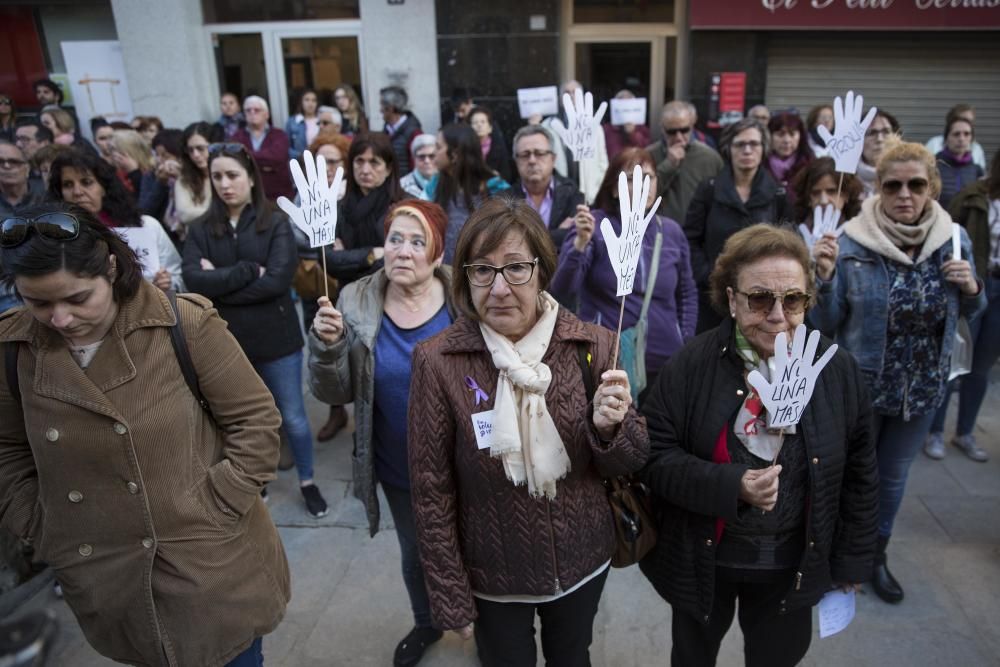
<point x="324" y="123"/>
<point x="55" y="226"/>
<point x="9" y="163"/>
<point x="676" y="130"/>
<point x="762" y="301"/>
<point x="916" y="186"/>
<point x="740" y="146"/>
<point x="424" y="157"/>
<point x="515" y="273"/>
<point x="527" y="155"/>
<point x="254" y="110"/>
<point x="4" y="100"/>
<point x="878" y="133"/>
<point x="232" y="147"/>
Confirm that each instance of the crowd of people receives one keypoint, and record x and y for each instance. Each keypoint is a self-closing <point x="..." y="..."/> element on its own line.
<point x="468" y="311"/>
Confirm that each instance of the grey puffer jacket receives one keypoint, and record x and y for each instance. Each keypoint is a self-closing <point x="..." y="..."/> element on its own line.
<point x="344" y="372"/>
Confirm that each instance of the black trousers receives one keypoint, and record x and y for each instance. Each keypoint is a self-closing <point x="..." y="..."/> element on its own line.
<point x="769" y="639"/>
<point x="505" y="631"/>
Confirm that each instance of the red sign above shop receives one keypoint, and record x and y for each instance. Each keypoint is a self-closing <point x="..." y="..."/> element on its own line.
<point x="845" y="14"/>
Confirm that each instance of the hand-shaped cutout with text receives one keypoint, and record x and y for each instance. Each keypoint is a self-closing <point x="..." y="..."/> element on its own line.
<point x="316" y="214"/>
<point x="624" y="250"/>
<point x="824" y="222"/>
<point x="848" y="138"/>
<point x="584" y="124"/>
<point x="793" y="380"/>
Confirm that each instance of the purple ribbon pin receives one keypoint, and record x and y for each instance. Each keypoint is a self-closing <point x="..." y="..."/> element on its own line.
<point x="480" y="394"/>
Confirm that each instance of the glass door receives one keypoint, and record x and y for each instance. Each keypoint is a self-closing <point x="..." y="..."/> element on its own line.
<point x="320" y="64"/>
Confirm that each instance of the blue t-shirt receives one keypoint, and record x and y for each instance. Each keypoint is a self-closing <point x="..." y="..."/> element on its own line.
<point x="393" y="355"/>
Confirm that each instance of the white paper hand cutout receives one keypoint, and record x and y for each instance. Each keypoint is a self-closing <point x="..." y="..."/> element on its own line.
<point x="584" y="124"/>
<point x="848" y="140"/>
<point x="824" y="222"/>
<point x="624" y="250"/>
<point x="793" y="379"/>
<point x="316" y="214"/>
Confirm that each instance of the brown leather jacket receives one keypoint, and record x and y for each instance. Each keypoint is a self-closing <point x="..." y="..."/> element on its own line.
<point x="476" y="530"/>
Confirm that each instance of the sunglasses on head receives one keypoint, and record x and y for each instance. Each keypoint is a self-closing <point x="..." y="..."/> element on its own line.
<point x="55" y="226"/>
<point x="916" y="186"/>
<point x="232" y="147"/>
<point x="762" y="301"/>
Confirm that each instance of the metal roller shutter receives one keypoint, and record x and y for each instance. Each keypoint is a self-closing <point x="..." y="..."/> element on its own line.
<point x="916" y="77"/>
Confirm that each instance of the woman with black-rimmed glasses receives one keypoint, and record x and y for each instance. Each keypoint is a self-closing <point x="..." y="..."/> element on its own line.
<point x="144" y="501"/>
<point x="242" y="255"/>
<point x="892" y="292"/>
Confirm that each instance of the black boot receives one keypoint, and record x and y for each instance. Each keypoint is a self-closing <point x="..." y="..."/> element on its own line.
<point x="883" y="582"/>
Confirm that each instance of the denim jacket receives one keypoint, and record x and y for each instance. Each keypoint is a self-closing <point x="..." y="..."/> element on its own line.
<point x="853" y="306"/>
<point x="295" y="128"/>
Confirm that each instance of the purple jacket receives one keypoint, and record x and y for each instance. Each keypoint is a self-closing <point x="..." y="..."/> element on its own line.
<point x="673" y="311"/>
<point x="272" y="159"/>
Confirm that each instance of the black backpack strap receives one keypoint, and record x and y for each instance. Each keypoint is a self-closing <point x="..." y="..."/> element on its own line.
<point x="583" y="353"/>
<point x="10" y="350"/>
<point x="183" y="356"/>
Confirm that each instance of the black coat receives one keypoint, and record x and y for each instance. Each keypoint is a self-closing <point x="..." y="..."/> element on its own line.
<point x="258" y="309"/>
<point x="565" y="198"/>
<point x="697" y="395"/>
<point x="401" y="140"/>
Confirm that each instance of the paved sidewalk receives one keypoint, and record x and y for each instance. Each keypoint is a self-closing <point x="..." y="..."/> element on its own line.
<point x="349" y="605"/>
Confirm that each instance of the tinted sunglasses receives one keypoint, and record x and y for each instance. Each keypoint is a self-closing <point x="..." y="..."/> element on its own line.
<point x="55" y="226"/>
<point x="231" y="147"/>
<point x="677" y="130"/>
<point x="916" y="186"/>
<point x="792" y="301"/>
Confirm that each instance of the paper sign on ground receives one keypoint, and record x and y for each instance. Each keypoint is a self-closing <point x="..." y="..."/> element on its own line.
<point x="790" y="386"/>
<point x="582" y="124"/>
<point x="624" y="250"/>
<point x="848" y="138"/>
<point x="316" y="214"/>
<point x="628" y="111"/>
<point x="143" y="241"/>
<point x="836" y="611"/>
<point x="543" y="101"/>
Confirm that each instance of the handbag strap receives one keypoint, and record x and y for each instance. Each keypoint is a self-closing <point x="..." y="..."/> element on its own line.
<point x="653" y="271"/>
<point x="179" y="343"/>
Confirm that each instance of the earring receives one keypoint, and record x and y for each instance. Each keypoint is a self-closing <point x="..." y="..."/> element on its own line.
<point x="733" y="314"/>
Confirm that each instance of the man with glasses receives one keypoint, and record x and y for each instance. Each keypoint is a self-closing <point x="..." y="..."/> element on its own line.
<point x="31" y="136"/>
<point x="329" y="119"/>
<point x="681" y="164"/>
<point x="268" y="146"/>
<point x="554" y="197"/>
<point x="15" y="192"/>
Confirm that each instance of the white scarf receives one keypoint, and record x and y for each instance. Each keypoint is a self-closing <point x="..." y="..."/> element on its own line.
<point x="524" y="435"/>
<point x="869" y="230"/>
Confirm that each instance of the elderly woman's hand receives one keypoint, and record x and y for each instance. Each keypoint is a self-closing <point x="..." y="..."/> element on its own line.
<point x="760" y="487"/>
<point x="825" y="253"/>
<point x="611" y="403"/>
<point x="959" y="272"/>
<point x="328" y="323"/>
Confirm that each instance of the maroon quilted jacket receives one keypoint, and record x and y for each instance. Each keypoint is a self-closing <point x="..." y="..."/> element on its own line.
<point x="476" y="530"/>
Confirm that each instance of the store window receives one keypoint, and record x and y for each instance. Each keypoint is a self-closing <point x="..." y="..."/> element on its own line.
<point x="239" y="11"/>
<point x="623" y="11"/>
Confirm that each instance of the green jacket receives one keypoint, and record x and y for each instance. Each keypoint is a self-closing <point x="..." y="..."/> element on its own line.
<point x="677" y="184"/>
<point x="344" y="372"/>
<point x="971" y="209"/>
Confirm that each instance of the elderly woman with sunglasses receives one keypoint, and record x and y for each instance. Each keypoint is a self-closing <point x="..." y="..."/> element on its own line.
<point x="144" y="500"/>
<point x="508" y="445"/>
<point x="773" y="520"/>
<point x="892" y="292"/>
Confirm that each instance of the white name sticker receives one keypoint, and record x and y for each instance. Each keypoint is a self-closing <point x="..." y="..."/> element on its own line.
<point x="482" y="424"/>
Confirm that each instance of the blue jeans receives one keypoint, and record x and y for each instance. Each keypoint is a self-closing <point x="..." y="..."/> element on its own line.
<point x="252" y="657"/>
<point x="896" y="445"/>
<point x="283" y="378"/>
<point x="401" y="508"/>
<point x="986" y="350"/>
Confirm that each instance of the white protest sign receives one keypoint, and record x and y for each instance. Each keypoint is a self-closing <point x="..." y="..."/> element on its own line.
<point x="630" y="111"/>
<point x="482" y="424"/>
<point x="316" y="214"/>
<point x="836" y="611"/>
<point x="848" y="138"/>
<point x="790" y="386"/>
<point x="624" y="250"/>
<point x="543" y="101"/>
<point x="824" y="222"/>
<point x="956" y="241"/>
<point x="143" y="241"/>
<point x="584" y="124"/>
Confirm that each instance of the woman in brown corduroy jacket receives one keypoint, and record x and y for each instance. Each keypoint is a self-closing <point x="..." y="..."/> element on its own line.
<point x="146" y="506"/>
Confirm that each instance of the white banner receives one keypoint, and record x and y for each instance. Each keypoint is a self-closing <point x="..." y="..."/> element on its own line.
<point x="96" y="75"/>
<point x="628" y="111"/>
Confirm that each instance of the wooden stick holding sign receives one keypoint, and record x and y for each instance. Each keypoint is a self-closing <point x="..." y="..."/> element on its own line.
<point x="787" y="391"/>
<point x="624" y="250"/>
<point x="316" y="214"/>
<point x="584" y="124"/>
<point x="847" y="141"/>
